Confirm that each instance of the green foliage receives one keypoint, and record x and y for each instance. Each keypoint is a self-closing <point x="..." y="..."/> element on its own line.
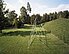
<point x="1" y="15"/>
<point x="63" y="14"/>
<point x="45" y="18"/>
<point x="38" y="18"/>
<point x="12" y="18"/>
<point x="66" y="14"/>
<point x="32" y="19"/>
<point x="23" y="17"/>
<point x="28" y="7"/>
<point x="3" y="20"/>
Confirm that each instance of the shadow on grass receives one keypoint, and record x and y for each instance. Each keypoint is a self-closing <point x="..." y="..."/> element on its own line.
<point x="27" y="27"/>
<point x="23" y="33"/>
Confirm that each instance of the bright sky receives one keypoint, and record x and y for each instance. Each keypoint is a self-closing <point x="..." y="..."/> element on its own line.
<point x="39" y="6"/>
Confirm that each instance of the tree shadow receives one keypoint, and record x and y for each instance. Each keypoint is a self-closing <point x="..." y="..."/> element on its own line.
<point x="27" y="27"/>
<point x="24" y="33"/>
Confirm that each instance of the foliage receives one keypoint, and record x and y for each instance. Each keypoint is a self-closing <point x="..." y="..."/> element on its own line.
<point x="23" y="17"/>
<point x="12" y="18"/>
<point x="28" y="7"/>
<point x="3" y="20"/>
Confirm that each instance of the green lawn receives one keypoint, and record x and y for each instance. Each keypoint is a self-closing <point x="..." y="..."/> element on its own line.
<point x="15" y="41"/>
<point x="60" y="28"/>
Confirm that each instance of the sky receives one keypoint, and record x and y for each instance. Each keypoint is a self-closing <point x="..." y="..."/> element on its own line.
<point x="38" y="6"/>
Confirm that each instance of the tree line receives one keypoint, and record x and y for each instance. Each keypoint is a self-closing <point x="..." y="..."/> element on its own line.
<point x="10" y="19"/>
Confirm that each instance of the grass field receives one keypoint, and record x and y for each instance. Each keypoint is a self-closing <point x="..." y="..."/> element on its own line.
<point x="15" y="41"/>
<point x="60" y="28"/>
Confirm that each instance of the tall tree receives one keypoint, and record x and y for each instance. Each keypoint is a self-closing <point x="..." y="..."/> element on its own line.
<point x="28" y="19"/>
<point x="66" y="14"/>
<point x="45" y="17"/>
<point x="28" y="7"/>
<point x="12" y="16"/>
<point x="51" y="16"/>
<point x="32" y="18"/>
<point x="38" y="18"/>
<point x="55" y="15"/>
<point x="23" y="17"/>
<point x="60" y="14"/>
<point x="28" y="11"/>
<point x="2" y="13"/>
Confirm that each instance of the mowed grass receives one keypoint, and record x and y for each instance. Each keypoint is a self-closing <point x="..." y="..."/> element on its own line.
<point x="15" y="41"/>
<point x="60" y="28"/>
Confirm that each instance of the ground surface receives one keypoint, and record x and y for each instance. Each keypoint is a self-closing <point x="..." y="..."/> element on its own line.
<point x="60" y="28"/>
<point x="15" y="41"/>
